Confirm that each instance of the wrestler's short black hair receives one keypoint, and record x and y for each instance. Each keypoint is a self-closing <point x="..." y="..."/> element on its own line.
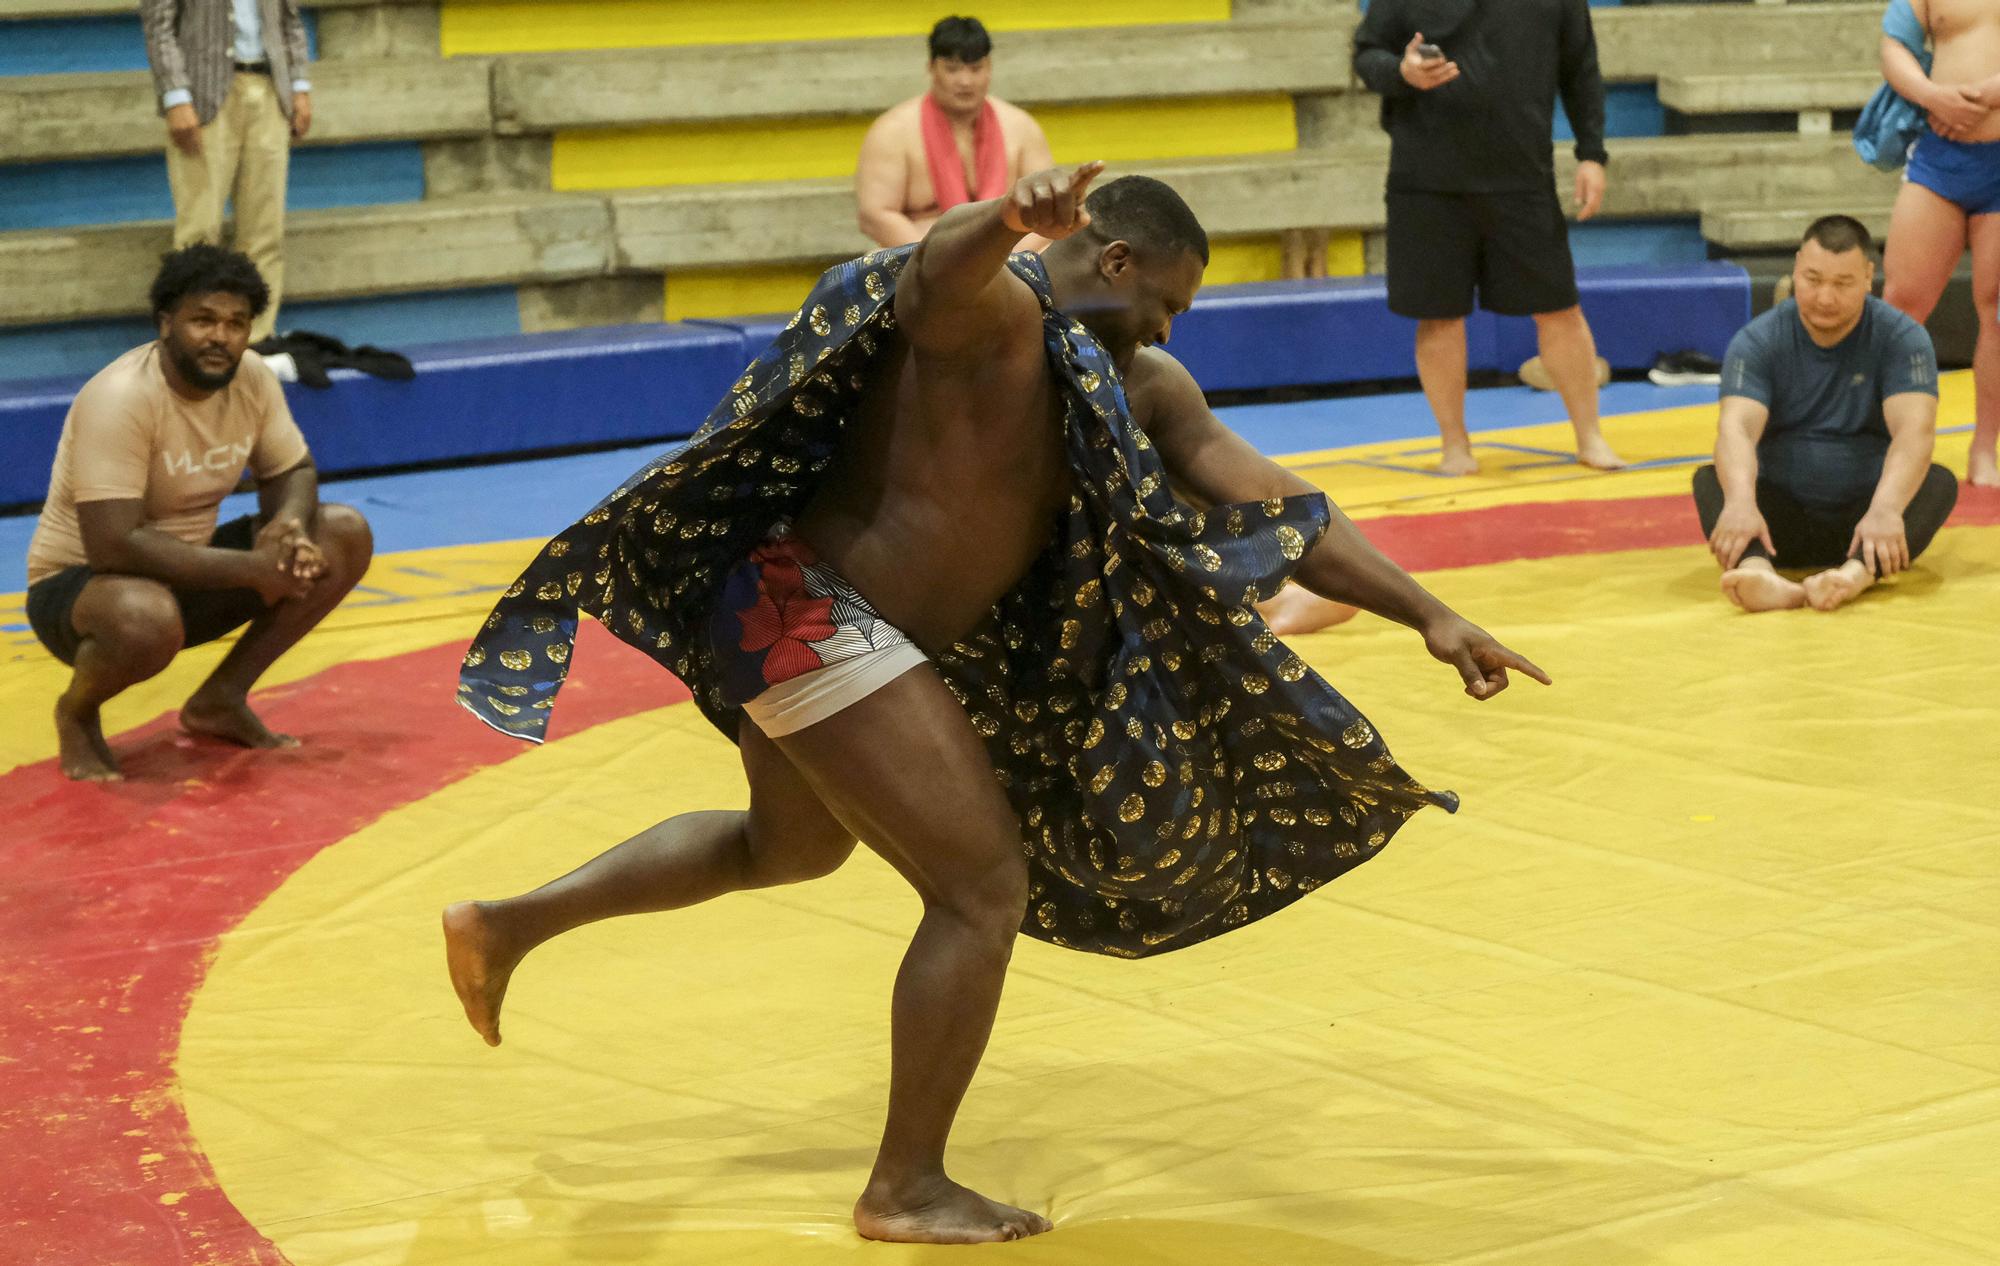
<point x="1840" y="234"/>
<point x="202" y="269"/>
<point x="1148" y="214"/>
<point x="961" y="40"/>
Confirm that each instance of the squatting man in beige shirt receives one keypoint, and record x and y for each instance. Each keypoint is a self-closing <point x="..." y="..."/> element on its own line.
<point x="127" y="565"/>
<point x="953" y="144"/>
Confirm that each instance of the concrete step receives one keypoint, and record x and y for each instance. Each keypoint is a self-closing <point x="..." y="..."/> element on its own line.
<point x="1656" y="41"/>
<point x="74" y="274"/>
<point x="625" y="87"/>
<point x="1755" y="228"/>
<point x="1638" y="43"/>
<point x="489" y="239"/>
<point x="1772" y="91"/>
<point x="1300" y="49"/>
<point x="1682" y="175"/>
<point x="48" y="117"/>
<point x="1342" y="187"/>
<point x="706" y="226"/>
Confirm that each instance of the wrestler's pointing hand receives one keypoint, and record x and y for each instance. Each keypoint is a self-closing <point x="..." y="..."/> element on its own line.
<point x="1479" y="659"/>
<point x="1051" y="202"/>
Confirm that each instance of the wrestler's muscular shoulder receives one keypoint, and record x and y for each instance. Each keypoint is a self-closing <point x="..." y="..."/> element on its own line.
<point x="1166" y="402"/>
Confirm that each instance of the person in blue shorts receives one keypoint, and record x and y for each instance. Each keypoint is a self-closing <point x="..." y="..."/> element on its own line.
<point x="1951" y="191"/>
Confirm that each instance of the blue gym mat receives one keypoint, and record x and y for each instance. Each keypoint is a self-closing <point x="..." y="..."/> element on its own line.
<point x="512" y="500"/>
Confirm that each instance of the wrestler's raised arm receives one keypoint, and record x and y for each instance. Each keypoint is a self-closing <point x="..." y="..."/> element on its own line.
<point x="956" y="289"/>
<point x="1219" y="467"/>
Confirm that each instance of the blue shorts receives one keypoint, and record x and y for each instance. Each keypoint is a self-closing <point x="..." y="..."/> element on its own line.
<point x="1966" y="173"/>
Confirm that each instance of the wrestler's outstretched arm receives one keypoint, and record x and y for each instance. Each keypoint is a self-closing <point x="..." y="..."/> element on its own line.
<point x="1219" y="467"/>
<point x="956" y="290"/>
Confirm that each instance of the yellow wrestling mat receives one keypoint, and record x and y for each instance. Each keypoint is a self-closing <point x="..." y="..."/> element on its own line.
<point x="1702" y="974"/>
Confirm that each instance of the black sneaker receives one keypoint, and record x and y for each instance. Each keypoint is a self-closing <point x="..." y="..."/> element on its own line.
<point x="1685" y="368"/>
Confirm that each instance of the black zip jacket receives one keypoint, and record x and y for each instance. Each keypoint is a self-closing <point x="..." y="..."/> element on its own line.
<point x="1488" y="130"/>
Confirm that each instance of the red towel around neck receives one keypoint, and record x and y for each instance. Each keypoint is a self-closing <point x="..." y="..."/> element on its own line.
<point x="989" y="155"/>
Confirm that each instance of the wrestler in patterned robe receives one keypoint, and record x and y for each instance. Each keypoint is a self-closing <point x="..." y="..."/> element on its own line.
<point x="1177" y="771"/>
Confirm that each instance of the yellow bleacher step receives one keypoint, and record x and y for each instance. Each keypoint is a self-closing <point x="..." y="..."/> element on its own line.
<point x="803" y="149"/>
<point x="541" y="26"/>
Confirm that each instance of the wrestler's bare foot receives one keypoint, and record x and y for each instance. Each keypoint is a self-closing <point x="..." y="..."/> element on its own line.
<point x="227" y="717"/>
<point x="1982" y="470"/>
<point x="1838" y="586"/>
<point x="1458" y="461"/>
<point x="1594" y="452"/>
<point x="941" y="1212"/>
<point x="481" y="958"/>
<point x="80" y="744"/>
<point x="1754" y="586"/>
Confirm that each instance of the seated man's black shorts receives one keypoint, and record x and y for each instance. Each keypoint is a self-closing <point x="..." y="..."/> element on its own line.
<point x="206" y="614"/>
<point x="1511" y="248"/>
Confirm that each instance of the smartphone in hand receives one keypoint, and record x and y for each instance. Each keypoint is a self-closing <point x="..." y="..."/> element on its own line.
<point x="1429" y="53"/>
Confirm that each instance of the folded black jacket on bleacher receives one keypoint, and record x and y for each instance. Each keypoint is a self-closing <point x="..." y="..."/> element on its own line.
<point x="314" y="354"/>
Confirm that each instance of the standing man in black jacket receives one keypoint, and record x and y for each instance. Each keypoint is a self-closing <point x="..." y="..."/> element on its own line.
<point x="1468" y="95"/>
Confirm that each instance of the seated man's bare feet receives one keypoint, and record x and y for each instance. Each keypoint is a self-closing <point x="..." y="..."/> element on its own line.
<point x="85" y="756"/>
<point x="481" y="958"/>
<point x="1838" y="586"/>
<point x="1458" y="462"/>
<point x="1755" y="586"/>
<point x="941" y="1212"/>
<point x="1982" y="470"/>
<point x="1295" y="609"/>
<point x="229" y="719"/>
<point x="1597" y="454"/>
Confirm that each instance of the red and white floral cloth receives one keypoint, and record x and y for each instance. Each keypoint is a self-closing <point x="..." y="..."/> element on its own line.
<point x="784" y="614"/>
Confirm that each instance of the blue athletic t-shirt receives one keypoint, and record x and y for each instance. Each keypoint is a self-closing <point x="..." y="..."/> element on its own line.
<point x="1826" y="438"/>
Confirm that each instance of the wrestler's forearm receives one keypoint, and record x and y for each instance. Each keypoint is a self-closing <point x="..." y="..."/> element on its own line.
<point x="964" y="251"/>
<point x="292" y="495"/>
<point x="1345" y="567"/>
<point x="1904" y="467"/>
<point x="157" y="556"/>
<point x="1736" y="465"/>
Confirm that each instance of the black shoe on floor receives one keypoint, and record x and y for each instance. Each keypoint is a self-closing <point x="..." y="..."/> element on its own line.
<point x="1685" y="368"/>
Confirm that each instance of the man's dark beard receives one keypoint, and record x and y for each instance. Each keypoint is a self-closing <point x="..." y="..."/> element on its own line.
<point x="194" y="375"/>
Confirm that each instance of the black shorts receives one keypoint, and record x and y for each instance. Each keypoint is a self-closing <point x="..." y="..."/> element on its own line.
<point x="206" y="614"/>
<point x="1513" y="248"/>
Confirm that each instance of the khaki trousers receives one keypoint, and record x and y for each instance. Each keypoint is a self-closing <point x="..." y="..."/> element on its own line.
<point x="245" y="157"/>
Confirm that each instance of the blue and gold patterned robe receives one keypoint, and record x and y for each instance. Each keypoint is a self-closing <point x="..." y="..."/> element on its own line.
<point x="1177" y="771"/>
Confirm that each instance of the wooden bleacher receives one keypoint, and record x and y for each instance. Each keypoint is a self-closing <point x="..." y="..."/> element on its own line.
<point x="505" y="207"/>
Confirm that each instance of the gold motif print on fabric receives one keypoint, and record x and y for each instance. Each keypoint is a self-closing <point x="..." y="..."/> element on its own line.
<point x="1176" y="771"/>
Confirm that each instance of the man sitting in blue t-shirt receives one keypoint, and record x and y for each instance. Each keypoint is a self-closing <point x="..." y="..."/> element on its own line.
<point x="1823" y="452"/>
